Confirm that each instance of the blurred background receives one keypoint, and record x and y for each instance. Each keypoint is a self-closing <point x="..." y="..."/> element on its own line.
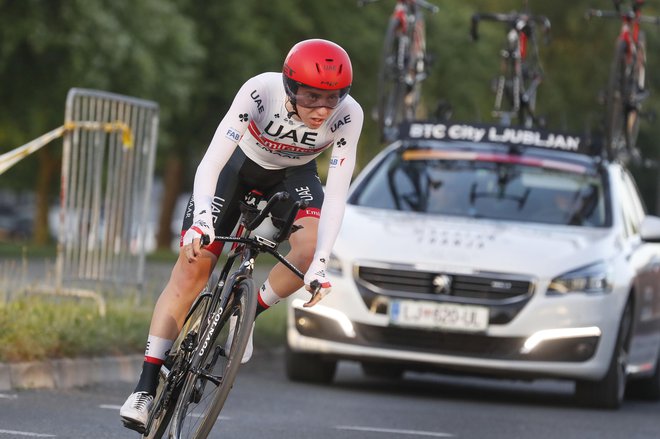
<point x="191" y="57"/>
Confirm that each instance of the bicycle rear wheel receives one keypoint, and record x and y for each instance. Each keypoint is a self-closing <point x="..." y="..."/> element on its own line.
<point x="615" y="101"/>
<point x="214" y="370"/>
<point x="391" y="86"/>
<point x="170" y="378"/>
<point x="635" y="85"/>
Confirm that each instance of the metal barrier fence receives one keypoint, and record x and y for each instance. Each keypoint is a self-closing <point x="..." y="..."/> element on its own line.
<point x="108" y="160"/>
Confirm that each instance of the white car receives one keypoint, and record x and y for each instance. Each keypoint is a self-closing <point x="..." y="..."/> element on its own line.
<point x="488" y="250"/>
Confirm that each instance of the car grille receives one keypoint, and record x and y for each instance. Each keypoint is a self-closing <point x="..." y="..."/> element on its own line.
<point x="479" y="288"/>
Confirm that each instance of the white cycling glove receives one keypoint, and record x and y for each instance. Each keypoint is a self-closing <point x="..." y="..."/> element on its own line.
<point x="202" y="225"/>
<point x="316" y="272"/>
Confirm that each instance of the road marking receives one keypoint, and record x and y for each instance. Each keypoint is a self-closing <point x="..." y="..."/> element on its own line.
<point x="25" y="433"/>
<point x="394" y="431"/>
<point x="8" y="396"/>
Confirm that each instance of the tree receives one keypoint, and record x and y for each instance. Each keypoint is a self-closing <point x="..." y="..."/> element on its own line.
<point x="144" y="48"/>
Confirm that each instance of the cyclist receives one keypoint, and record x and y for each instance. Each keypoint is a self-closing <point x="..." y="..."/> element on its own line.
<point x="280" y="122"/>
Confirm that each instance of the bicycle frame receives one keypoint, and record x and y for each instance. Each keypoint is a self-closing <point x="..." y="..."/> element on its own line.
<point x="520" y="69"/>
<point x="406" y="13"/>
<point x="403" y="64"/>
<point x="625" y="92"/>
<point x="191" y="352"/>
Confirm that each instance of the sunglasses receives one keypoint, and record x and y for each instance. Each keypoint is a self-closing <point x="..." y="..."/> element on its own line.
<point x="315" y="98"/>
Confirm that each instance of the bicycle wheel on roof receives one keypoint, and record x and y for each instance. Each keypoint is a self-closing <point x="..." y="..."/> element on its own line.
<point x="391" y="85"/>
<point x="615" y="102"/>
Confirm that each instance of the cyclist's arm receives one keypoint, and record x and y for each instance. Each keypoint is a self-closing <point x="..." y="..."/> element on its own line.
<point x="340" y="172"/>
<point x="224" y="141"/>
<point x="223" y="144"/>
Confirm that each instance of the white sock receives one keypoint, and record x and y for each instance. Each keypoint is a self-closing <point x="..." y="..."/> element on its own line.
<point x="157" y="349"/>
<point x="268" y="297"/>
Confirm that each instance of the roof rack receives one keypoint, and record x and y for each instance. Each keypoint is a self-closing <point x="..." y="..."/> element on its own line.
<point x="511" y="136"/>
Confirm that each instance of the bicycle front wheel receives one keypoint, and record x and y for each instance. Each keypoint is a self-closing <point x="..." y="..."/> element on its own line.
<point x="615" y="111"/>
<point x="391" y="85"/>
<point x="214" y="369"/>
<point x="172" y="374"/>
<point x="634" y="87"/>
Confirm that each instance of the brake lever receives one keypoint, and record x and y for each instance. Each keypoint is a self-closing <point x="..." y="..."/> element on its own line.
<point x="314" y="289"/>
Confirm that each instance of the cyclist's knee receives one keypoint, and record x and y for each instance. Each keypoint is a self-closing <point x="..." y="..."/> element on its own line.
<point x="191" y="277"/>
<point x="303" y="242"/>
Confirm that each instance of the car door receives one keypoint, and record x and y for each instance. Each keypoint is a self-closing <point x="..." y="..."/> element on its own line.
<point x="645" y="260"/>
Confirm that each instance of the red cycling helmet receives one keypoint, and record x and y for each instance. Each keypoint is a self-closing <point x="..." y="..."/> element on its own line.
<point x="318" y="64"/>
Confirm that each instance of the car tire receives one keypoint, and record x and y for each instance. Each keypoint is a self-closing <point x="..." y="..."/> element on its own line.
<point x="608" y="392"/>
<point x="309" y="368"/>
<point x="647" y="388"/>
<point x="382" y="370"/>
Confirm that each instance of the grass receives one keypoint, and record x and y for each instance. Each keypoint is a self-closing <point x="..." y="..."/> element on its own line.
<point x="43" y="327"/>
<point x="38" y="327"/>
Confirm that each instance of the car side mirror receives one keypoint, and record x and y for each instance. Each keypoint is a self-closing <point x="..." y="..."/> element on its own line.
<point x="650" y="229"/>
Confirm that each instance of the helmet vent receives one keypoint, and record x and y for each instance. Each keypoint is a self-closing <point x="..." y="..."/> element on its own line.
<point x="318" y="68"/>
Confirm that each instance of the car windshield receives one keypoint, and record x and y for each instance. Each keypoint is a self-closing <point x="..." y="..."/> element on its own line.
<point x="486" y="185"/>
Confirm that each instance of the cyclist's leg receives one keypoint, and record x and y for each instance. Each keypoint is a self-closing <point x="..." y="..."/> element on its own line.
<point x="303" y="184"/>
<point x="186" y="281"/>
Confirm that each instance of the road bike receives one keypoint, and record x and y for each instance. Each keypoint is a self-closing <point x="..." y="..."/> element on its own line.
<point x="521" y="73"/>
<point x="403" y="65"/>
<point x="199" y="372"/>
<point x="626" y="87"/>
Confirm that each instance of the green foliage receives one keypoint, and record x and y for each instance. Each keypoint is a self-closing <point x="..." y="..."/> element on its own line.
<point x="39" y="327"/>
<point x="192" y="57"/>
<point x="144" y="48"/>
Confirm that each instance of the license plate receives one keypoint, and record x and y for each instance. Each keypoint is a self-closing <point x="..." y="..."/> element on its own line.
<point x="431" y="315"/>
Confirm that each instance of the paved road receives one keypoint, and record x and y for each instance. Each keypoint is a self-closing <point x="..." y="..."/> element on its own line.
<point x="264" y="404"/>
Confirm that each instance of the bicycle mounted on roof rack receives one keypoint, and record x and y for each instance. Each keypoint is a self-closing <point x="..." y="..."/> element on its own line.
<point x="626" y="88"/>
<point x="403" y="65"/>
<point x="521" y="72"/>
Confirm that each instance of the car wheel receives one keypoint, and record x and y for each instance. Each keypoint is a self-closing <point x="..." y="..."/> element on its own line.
<point x="647" y="388"/>
<point x="608" y="392"/>
<point x="309" y="368"/>
<point x="382" y="370"/>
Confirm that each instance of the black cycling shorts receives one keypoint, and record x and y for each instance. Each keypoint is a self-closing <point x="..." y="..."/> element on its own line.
<point x="240" y="176"/>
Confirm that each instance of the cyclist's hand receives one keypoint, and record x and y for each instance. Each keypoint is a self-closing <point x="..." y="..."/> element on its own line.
<point x="316" y="272"/>
<point x="202" y="225"/>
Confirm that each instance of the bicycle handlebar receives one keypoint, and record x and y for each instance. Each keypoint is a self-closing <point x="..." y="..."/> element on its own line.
<point x="423" y="3"/>
<point x="285" y="225"/>
<point x="278" y="197"/>
<point x="512" y="19"/>
<point x="285" y="229"/>
<point x="618" y="14"/>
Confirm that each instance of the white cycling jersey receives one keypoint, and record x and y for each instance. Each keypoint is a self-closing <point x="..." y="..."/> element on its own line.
<point x="259" y="123"/>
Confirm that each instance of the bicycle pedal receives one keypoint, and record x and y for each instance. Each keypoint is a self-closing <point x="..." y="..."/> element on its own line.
<point x="133" y="426"/>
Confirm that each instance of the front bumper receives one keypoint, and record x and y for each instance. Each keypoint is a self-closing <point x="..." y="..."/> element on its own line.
<point x="568" y="343"/>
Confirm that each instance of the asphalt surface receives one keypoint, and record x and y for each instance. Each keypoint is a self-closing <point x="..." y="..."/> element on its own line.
<point x="263" y="404"/>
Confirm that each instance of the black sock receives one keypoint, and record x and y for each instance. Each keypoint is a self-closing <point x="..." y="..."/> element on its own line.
<point x="148" y="378"/>
<point x="260" y="309"/>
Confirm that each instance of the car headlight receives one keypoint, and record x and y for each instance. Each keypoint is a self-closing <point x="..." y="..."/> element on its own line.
<point x="334" y="264"/>
<point x="595" y="278"/>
